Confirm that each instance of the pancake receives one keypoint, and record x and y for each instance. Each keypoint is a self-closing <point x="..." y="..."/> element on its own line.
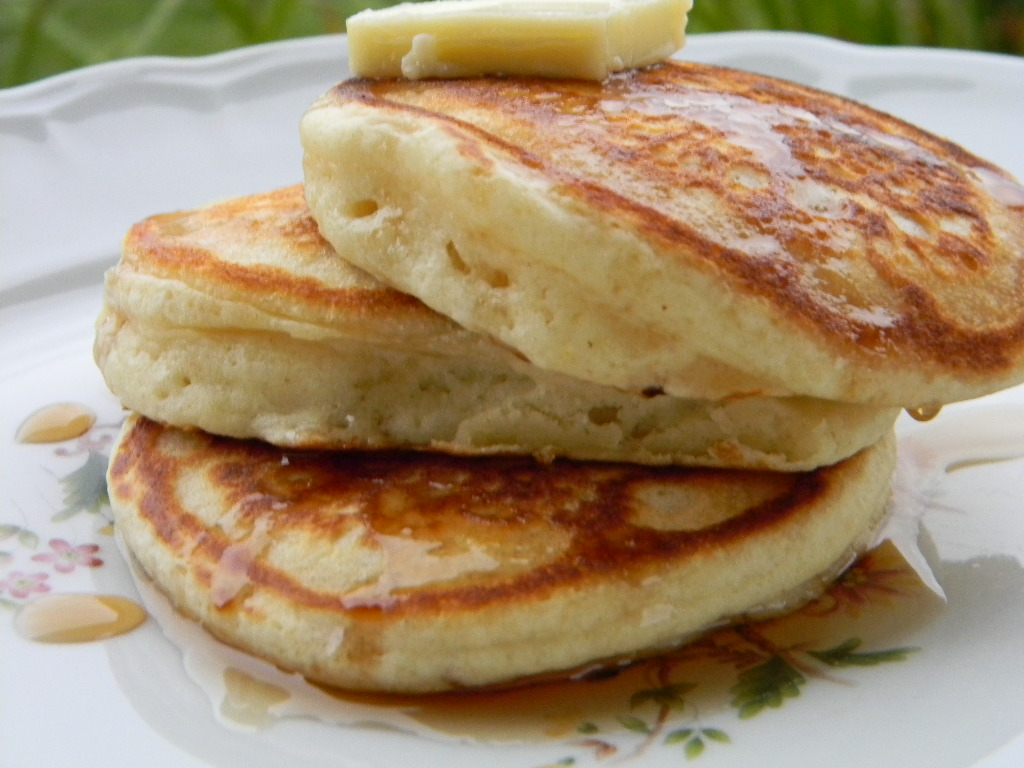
<point x="240" y="319"/>
<point x="687" y="228"/>
<point x="419" y="572"/>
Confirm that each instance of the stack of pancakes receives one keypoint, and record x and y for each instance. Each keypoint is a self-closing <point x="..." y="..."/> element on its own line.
<point x="548" y="373"/>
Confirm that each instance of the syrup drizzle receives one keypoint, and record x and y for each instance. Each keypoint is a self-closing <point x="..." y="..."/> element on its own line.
<point x="924" y="412"/>
<point x="968" y="438"/>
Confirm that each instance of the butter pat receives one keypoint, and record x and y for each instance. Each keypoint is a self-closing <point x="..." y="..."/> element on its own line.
<point x="586" y="39"/>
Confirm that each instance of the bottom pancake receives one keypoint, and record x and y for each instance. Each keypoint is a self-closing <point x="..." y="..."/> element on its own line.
<point x="419" y="572"/>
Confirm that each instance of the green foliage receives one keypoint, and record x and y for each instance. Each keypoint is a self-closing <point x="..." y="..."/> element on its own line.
<point x="43" y="37"/>
<point x="947" y="23"/>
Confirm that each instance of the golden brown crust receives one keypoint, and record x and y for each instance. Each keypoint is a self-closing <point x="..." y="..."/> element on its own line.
<point x="441" y="498"/>
<point x="200" y="247"/>
<point x="355" y="567"/>
<point x="876" y="237"/>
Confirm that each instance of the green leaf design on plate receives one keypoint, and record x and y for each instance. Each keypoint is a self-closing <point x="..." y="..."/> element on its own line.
<point x="635" y="724"/>
<point x="694" y="748"/>
<point x="679" y="736"/>
<point x="672" y="695"/>
<point x="587" y="728"/>
<point x="716" y="734"/>
<point x="845" y="655"/>
<point x="563" y="763"/>
<point x="693" y="740"/>
<point x="768" y="684"/>
<point x="85" y="489"/>
<point x="25" y="537"/>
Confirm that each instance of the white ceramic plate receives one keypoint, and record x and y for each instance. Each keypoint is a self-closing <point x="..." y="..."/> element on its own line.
<point x="86" y="154"/>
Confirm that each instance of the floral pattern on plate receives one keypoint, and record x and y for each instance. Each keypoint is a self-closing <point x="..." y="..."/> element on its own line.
<point x="30" y="563"/>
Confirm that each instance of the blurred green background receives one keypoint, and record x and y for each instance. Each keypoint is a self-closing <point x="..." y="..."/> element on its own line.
<point x="39" y="38"/>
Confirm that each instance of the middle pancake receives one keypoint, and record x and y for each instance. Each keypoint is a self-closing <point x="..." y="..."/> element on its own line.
<point x="241" y="320"/>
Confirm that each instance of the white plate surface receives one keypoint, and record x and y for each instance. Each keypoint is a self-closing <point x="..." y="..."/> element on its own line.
<point x="84" y="155"/>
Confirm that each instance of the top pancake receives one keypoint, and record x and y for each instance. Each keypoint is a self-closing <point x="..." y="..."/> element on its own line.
<point x="241" y="320"/>
<point x="700" y="230"/>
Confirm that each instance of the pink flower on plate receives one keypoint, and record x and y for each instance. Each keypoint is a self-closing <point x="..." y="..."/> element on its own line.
<point x="66" y="558"/>
<point x="21" y="585"/>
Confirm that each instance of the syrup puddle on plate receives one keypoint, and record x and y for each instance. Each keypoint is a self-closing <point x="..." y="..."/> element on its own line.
<point x="77" y="618"/>
<point x="248" y="700"/>
<point x="590" y="711"/>
<point x="866" y="619"/>
<point x="56" y="423"/>
<point x="876" y="607"/>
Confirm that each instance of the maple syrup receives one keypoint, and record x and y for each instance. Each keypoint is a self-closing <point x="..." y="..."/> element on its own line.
<point x="56" y="423"/>
<point x="924" y="412"/>
<point x="557" y="708"/>
<point x="78" y="618"/>
<point x="247" y="700"/>
<point x="588" y="708"/>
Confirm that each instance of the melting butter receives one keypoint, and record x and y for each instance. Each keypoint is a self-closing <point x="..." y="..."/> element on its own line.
<point x="587" y="39"/>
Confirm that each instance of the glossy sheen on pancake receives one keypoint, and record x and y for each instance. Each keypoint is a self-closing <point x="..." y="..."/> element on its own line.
<point x="698" y="229"/>
<point x="239" y="319"/>
<point x="421" y="572"/>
